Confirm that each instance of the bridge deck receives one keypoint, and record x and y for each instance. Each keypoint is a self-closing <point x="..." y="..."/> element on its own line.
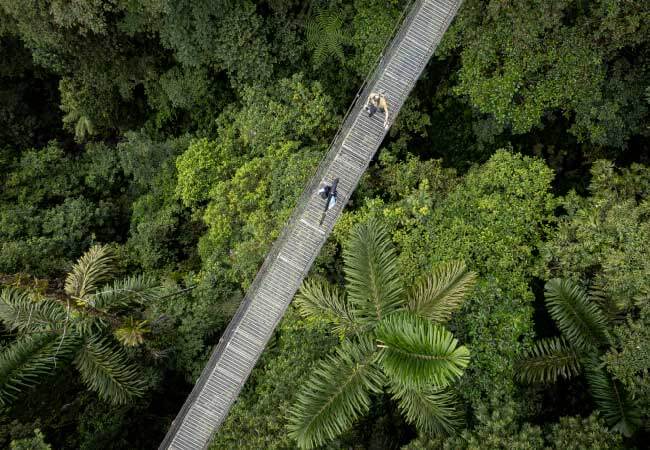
<point x="302" y="238"/>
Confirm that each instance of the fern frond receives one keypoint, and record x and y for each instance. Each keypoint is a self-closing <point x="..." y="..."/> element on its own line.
<point x="441" y="293"/>
<point x="336" y="394"/>
<point x="28" y="359"/>
<point x="433" y="411"/>
<point x="372" y="277"/>
<point x="319" y="299"/>
<point x="20" y="312"/>
<point x="547" y="361"/>
<point x="579" y="319"/>
<point x="618" y="409"/>
<point x="416" y="353"/>
<point x="133" y="290"/>
<point x="325" y="36"/>
<point x="92" y="268"/>
<point x="107" y="371"/>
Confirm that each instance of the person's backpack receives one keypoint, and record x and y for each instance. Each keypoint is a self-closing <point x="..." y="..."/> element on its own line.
<point x="370" y="109"/>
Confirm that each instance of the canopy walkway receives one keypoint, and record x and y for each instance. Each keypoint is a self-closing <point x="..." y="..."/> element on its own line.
<point x="300" y="242"/>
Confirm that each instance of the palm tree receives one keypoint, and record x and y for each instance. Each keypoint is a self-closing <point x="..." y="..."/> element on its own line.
<point x="585" y="337"/>
<point x="80" y="326"/>
<point x="392" y="340"/>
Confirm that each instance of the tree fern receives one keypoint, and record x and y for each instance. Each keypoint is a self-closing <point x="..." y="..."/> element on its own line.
<point x="547" y="361"/>
<point x="106" y="370"/>
<point x="325" y="36"/>
<point x="619" y="411"/>
<point x="94" y="267"/>
<point x="580" y="320"/>
<point x="29" y="358"/>
<point x="433" y="411"/>
<point x="437" y="296"/>
<point x="417" y="353"/>
<point x="319" y="299"/>
<point x="336" y="394"/>
<point x="20" y="312"/>
<point x="372" y="277"/>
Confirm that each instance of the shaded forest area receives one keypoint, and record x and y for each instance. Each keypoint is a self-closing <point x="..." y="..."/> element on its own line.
<point x="151" y="150"/>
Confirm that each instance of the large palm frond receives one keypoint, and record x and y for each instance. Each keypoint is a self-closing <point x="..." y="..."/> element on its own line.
<point x="434" y="411"/>
<point x="320" y="299"/>
<point x="106" y="370"/>
<point x="26" y="360"/>
<point x="579" y="319"/>
<point x="441" y="293"/>
<point x="336" y="394"/>
<point x="133" y="290"/>
<point x="416" y="352"/>
<point x="547" y="361"/>
<point x="20" y="312"/>
<point x="616" y="406"/>
<point x="92" y="268"/>
<point x="372" y="277"/>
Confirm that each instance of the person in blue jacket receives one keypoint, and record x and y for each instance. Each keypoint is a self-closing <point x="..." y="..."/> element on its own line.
<point x="328" y="193"/>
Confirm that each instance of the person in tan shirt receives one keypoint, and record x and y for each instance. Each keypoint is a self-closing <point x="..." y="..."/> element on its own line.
<point x="377" y="102"/>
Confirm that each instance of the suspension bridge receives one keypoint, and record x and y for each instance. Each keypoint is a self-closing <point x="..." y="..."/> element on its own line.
<point x="402" y="61"/>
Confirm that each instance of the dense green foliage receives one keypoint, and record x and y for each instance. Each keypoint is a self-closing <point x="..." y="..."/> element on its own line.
<point x="524" y="59"/>
<point x="179" y="134"/>
<point x="583" y="324"/>
<point x="498" y="428"/>
<point x="52" y="332"/>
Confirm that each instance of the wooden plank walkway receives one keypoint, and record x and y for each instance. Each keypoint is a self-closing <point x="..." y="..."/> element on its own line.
<point x="302" y="238"/>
